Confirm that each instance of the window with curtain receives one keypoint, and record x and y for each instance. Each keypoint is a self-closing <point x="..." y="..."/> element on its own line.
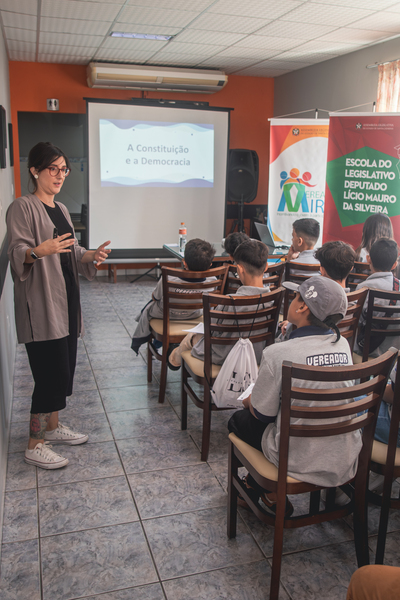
<point x="389" y="87"/>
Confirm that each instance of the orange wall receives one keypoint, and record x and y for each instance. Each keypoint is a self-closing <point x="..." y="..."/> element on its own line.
<point x="251" y="97"/>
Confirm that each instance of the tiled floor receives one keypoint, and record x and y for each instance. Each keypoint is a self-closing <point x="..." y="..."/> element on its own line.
<point x="136" y="514"/>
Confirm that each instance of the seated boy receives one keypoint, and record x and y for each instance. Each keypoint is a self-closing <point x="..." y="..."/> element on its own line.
<point x="232" y="241"/>
<point x="251" y="258"/>
<point x="198" y="257"/>
<point x="383" y="260"/>
<point x="319" y="304"/>
<point x="305" y="235"/>
<point x="337" y="260"/>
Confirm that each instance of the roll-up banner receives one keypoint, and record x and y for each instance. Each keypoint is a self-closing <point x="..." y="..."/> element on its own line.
<point x="298" y="152"/>
<point x="363" y="173"/>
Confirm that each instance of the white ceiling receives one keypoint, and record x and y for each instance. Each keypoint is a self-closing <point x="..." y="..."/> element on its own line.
<point x="264" y="38"/>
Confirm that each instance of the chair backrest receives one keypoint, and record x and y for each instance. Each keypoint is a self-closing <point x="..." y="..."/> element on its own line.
<point x="325" y="419"/>
<point x="348" y="326"/>
<point x="297" y="273"/>
<point x="272" y="277"/>
<point x="187" y="293"/>
<point x="359" y="273"/>
<point x="380" y="316"/>
<point x="226" y="318"/>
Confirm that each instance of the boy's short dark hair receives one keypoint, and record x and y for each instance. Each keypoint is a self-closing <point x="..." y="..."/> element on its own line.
<point x="252" y="255"/>
<point x="384" y="254"/>
<point x="337" y="258"/>
<point x="198" y="255"/>
<point x="307" y="229"/>
<point x="233" y="240"/>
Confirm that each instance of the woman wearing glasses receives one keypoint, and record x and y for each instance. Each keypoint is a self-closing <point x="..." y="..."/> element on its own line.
<point x="45" y="261"/>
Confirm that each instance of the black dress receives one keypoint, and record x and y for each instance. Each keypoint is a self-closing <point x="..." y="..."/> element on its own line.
<point x="53" y="361"/>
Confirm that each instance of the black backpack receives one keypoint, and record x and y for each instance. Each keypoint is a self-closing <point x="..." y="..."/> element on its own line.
<point x="376" y="339"/>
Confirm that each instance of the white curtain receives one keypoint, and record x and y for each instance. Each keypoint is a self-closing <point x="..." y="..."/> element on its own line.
<point x="389" y="87"/>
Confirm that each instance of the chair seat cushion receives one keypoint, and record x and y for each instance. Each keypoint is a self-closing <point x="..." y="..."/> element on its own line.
<point x="379" y="454"/>
<point x="257" y="459"/>
<point x="175" y="327"/>
<point x="197" y="366"/>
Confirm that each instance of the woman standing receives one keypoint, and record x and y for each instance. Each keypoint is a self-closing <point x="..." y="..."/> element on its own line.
<point x="45" y="261"/>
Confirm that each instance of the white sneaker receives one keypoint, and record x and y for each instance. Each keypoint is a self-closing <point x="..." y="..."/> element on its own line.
<point x="64" y="435"/>
<point x="42" y="456"/>
<point x="341" y="498"/>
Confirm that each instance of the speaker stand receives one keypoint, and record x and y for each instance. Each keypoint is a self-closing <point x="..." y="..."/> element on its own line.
<point x="239" y="222"/>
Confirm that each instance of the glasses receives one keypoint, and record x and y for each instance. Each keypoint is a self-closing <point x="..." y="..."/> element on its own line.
<point x="54" y="171"/>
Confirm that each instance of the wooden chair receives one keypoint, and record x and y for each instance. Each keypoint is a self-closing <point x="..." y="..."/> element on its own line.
<point x="176" y="296"/>
<point x="359" y="274"/>
<point x="276" y="479"/>
<point x="385" y="460"/>
<point x="348" y="327"/>
<point x="272" y="277"/>
<point x="387" y="321"/>
<point x="263" y="310"/>
<point x="296" y="272"/>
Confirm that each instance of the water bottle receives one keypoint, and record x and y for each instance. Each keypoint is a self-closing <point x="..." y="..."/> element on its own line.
<point x="182" y="237"/>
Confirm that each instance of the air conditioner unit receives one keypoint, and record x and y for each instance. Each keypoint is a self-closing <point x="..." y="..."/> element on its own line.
<point x="162" y="79"/>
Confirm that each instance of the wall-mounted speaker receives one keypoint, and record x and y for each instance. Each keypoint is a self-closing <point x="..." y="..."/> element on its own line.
<point x="242" y="175"/>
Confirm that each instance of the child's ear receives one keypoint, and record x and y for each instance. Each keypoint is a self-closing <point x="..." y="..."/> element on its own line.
<point x="394" y="266"/>
<point x="184" y="264"/>
<point x="323" y="271"/>
<point x="368" y="259"/>
<point x="300" y="241"/>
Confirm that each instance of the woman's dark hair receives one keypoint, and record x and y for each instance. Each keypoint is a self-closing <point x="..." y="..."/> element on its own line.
<point x="42" y="156"/>
<point x="375" y="227"/>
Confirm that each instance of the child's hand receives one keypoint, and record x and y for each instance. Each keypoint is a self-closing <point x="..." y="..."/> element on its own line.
<point x="292" y="253"/>
<point x="284" y="325"/>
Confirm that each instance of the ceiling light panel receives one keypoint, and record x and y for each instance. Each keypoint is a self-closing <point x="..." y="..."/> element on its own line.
<point x="73" y="9"/>
<point x="234" y="24"/>
<point x="20" y="6"/>
<point x="153" y="16"/>
<point x="136" y="28"/>
<point x="195" y="5"/>
<point x="269" y="43"/>
<point x="23" y="35"/>
<point x="326" y="14"/>
<point x="11" y="19"/>
<point x="302" y="31"/>
<point x="181" y="48"/>
<point x="133" y="45"/>
<point x="273" y="9"/>
<point x="382" y="21"/>
<point x="70" y="39"/>
<point x="74" y="26"/>
<point x="219" y="38"/>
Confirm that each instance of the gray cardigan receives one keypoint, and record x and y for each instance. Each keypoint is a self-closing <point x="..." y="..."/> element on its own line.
<point x="40" y="299"/>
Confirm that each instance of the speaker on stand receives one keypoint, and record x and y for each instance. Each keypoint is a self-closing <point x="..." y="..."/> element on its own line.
<point x="242" y="181"/>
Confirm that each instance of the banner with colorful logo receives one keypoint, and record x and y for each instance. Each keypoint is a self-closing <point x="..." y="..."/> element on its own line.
<point x="363" y="173"/>
<point x="298" y="152"/>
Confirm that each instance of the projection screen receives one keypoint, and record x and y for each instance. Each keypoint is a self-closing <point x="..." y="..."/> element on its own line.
<point x="151" y="167"/>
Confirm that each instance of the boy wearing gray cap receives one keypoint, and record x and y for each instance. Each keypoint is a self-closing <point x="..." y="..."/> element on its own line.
<point x="320" y="303"/>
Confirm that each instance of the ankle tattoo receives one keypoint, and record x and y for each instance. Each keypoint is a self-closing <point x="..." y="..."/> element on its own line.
<point x="38" y="425"/>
